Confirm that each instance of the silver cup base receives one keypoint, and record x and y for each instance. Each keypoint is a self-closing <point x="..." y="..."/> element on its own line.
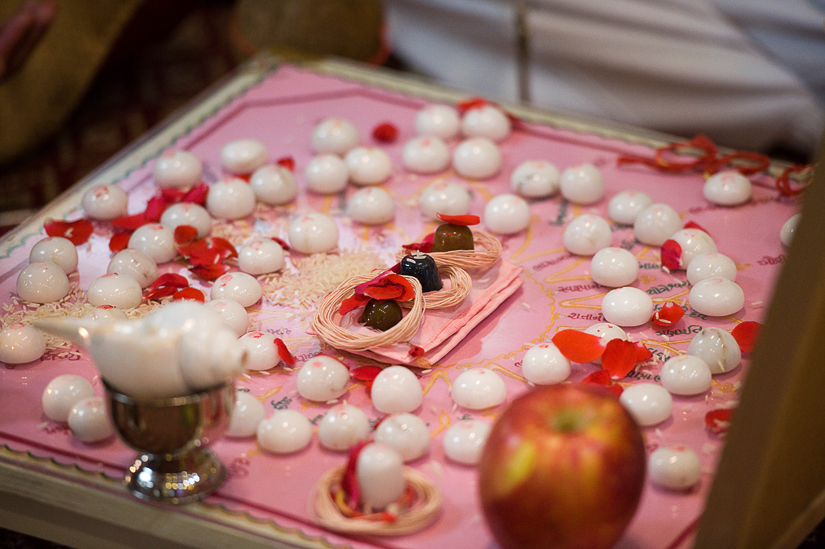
<point x="177" y="479"/>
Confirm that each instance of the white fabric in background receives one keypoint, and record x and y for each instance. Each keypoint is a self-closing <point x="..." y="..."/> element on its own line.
<point x="738" y="71"/>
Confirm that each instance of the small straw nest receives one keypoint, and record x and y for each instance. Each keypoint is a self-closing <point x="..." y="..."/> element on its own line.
<point x="487" y="251"/>
<point x="341" y="338"/>
<point x="461" y="282"/>
<point x="424" y="511"/>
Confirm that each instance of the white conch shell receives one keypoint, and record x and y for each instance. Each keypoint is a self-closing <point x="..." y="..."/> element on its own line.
<point x="180" y="349"/>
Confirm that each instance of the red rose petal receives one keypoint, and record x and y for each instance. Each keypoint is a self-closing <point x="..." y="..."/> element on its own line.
<point x="196" y="247"/>
<point x="619" y="357"/>
<point x="192" y="294"/>
<point x="287" y="162"/>
<point x="578" y="346"/>
<point x="718" y="420"/>
<point x="209" y="272"/>
<point x="668" y="315"/>
<point x="746" y="334"/>
<point x="392" y="286"/>
<point x="353" y="302"/>
<point x="172" y="196"/>
<point x="694" y="225"/>
<point x="154" y="209"/>
<point x="282" y="243"/>
<point x="601" y="377"/>
<point x="197" y="194"/>
<point x="385" y="132"/>
<point x="671" y="255"/>
<point x="642" y="352"/>
<point x="464" y="220"/>
<point x="130" y="222"/>
<point x="174" y="280"/>
<point x="185" y="235"/>
<point x="283" y="352"/>
<point x="78" y="232"/>
<point x="163" y="291"/>
<point x="471" y="103"/>
<point x="223" y="247"/>
<point x="349" y="483"/>
<point x="119" y="241"/>
<point x="366" y="373"/>
<point x="415" y="351"/>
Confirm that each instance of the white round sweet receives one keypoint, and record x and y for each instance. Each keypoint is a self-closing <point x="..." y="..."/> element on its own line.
<point x="465" y="440"/>
<point x="246" y="416"/>
<point x="717" y="348"/>
<point x="56" y="249"/>
<point x="274" y="185"/>
<point x="478" y="388"/>
<point x="405" y="433"/>
<point x="582" y="184"/>
<point x="284" y="432"/>
<point x="627" y="307"/>
<point x="506" y="214"/>
<point x="626" y="206"/>
<point x="156" y="241"/>
<point x="106" y="314"/>
<point x="437" y="121"/>
<point x="326" y="174"/>
<point x="243" y="156"/>
<point x="231" y="198"/>
<point x="240" y="287"/>
<point x="120" y="290"/>
<point x="693" y="242"/>
<point x="177" y="170"/>
<point x="380" y="475"/>
<point x="655" y="224"/>
<point x="728" y="188"/>
<point x="134" y="263"/>
<point x="444" y="197"/>
<point x="477" y="158"/>
<point x="261" y="256"/>
<point x="716" y="297"/>
<point x="21" y="343"/>
<point x="396" y="389"/>
<point x="371" y="206"/>
<point x="342" y="427"/>
<point x="710" y="265"/>
<point x="105" y="202"/>
<point x="606" y="332"/>
<point x="261" y="351"/>
<point x="648" y="403"/>
<point x="368" y="165"/>
<point x="187" y="213"/>
<point x="587" y="234"/>
<point x="535" y="179"/>
<point x="322" y="378"/>
<point x="89" y="420"/>
<point x="42" y="282"/>
<point x="232" y="315"/>
<point x="312" y="233"/>
<point x="788" y="230"/>
<point x="543" y="364"/>
<point x="62" y="393"/>
<point x="614" y="267"/>
<point x="334" y="136"/>
<point x="685" y="375"/>
<point x="486" y="121"/>
<point x="674" y="467"/>
<point x="426" y="154"/>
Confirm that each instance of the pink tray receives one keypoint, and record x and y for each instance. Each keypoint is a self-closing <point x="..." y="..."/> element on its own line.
<point x="557" y="292"/>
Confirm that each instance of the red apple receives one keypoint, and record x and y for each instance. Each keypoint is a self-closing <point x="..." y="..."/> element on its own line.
<point x="563" y="467"/>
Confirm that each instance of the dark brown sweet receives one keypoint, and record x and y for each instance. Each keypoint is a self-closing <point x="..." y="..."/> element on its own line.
<point x="422" y="267"/>
<point x="449" y="237"/>
<point x="381" y="314"/>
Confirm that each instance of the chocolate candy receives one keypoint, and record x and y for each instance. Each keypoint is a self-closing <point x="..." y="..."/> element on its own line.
<point x="422" y="267"/>
<point x="381" y="314"/>
<point x="449" y="237"/>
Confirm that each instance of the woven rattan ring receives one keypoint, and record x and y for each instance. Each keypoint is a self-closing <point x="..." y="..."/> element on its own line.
<point x="487" y="251"/>
<point x="460" y="285"/>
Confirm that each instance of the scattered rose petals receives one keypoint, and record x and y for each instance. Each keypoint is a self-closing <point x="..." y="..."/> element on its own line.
<point x="163" y="291"/>
<point x="425" y="246"/>
<point x="353" y="302"/>
<point x="197" y="194"/>
<point x="718" y="420"/>
<point x="471" y="103"/>
<point x="463" y="220"/>
<point x="602" y="377"/>
<point x="130" y="222"/>
<point x="385" y="132"/>
<point x="668" y="315"/>
<point x="694" y="225"/>
<point x="154" y="209"/>
<point x="287" y="162"/>
<point x="391" y="286"/>
<point x="185" y="235"/>
<point x="283" y="352"/>
<point x="578" y="346"/>
<point x="119" y="241"/>
<point x="349" y="484"/>
<point x="281" y="242"/>
<point x="415" y="351"/>
<point x="746" y="334"/>
<point x="170" y="279"/>
<point x="671" y="255"/>
<point x="209" y="272"/>
<point x="642" y="352"/>
<point x="192" y="294"/>
<point x="366" y="373"/>
<point x="619" y="357"/>
<point x="78" y="231"/>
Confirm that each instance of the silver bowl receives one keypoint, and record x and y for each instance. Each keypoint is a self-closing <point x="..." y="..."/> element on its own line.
<point x="172" y="435"/>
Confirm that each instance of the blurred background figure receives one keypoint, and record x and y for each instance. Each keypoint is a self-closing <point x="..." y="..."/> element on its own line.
<point x="747" y="73"/>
